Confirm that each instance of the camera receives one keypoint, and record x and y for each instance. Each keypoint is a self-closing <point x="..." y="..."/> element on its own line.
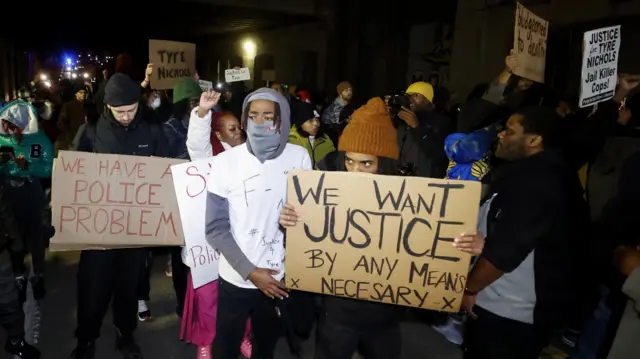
<point x="397" y="102"/>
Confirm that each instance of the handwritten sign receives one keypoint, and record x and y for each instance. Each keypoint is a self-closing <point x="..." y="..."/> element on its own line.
<point x="235" y="75"/>
<point x="530" y="44"/>
<point x="173" y="61"/>
<point x="599" y="65"/>
<point x="190" y="182"/>
<point x="205" y="85"/>
<point x="380" y="238"/>
<point x="114" y="201"/>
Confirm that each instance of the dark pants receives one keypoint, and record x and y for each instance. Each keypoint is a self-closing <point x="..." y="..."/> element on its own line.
<point x="235" y="305"/>
<point x="144" y="291"/>
<point x="494" y="337"/>
<point x="340" y="341"/>
<point x="103" y="275"/>
<point x="11" y="315"/>
<point x="179" y="276"/>
<point x="28" y="201"/>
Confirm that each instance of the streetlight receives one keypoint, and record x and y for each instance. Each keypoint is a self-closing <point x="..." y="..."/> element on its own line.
<point x="85" y="75"/>
<point x="249" y="48"/>
<point x="43" y="77"/>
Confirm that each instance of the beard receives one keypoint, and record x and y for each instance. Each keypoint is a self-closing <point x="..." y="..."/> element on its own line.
<point x="510" y="151"/>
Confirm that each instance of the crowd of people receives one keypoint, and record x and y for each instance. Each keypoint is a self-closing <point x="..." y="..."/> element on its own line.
<point x="555" y="248"/>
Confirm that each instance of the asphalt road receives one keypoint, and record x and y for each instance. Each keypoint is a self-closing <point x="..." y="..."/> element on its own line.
<point x="159" y="338"/>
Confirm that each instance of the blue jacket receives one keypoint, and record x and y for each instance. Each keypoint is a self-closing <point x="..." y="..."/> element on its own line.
<point x="468" y="152"/>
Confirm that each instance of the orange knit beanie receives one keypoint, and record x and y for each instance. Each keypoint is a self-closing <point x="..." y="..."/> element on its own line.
<point x="370" y="132"/>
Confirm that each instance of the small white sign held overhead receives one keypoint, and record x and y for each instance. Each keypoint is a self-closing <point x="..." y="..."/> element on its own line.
<point x="205" y="85"/>
<point x="235" y="75"/>
<point x="599" y="65"/>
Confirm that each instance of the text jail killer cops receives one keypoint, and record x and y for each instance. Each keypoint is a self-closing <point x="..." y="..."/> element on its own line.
<point x="383" y="238"/>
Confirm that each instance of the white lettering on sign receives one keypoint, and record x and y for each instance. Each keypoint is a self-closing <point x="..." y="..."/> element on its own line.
<point x="599" y="65"/>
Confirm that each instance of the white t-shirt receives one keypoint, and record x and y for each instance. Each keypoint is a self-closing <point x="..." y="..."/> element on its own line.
<point x="256" y="193"/>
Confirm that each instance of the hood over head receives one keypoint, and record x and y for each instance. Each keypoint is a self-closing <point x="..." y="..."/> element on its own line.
<point x="259" y="142"/>
<point x="22" y="114"/>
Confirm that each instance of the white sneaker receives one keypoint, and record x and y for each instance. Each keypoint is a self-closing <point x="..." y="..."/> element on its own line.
<point x="450" y="331"/>
<point x="144" y="314"/>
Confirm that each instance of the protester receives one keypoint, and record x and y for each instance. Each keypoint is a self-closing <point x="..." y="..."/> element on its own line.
<point x="368" y="144"/>
<point x="243" y="206"/>
<point x="223" y="130"/>
<point x="331" y="115"/>
<point x="115" y="273"/>
<point x="307" y="132"/>
<point x="26" y="159"/>
<point x="535" y="216"/>
<point x="72" y="115"/>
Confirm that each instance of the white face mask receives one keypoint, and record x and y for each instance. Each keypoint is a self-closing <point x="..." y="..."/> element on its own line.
<point x="156" y="103"/>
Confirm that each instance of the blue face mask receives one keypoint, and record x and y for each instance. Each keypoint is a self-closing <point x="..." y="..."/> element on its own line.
<point x="263" y="139"/>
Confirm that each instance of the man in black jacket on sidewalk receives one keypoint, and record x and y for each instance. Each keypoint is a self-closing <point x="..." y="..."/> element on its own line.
<point x="115" y="273"/>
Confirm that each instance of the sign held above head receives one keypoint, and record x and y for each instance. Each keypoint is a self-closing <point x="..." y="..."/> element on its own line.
<point x="172" y="61"/>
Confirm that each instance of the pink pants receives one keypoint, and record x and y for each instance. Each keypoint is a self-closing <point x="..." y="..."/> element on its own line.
<point x="199" y="317"/>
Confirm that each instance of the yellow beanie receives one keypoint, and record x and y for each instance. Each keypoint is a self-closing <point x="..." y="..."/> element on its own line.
<point x="370" y="132"/>
<point x="423" y="88"/>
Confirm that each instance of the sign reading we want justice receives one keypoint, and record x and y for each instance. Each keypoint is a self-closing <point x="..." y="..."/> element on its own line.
<point x="380" y="238"/>
<point x="110" y="201"/>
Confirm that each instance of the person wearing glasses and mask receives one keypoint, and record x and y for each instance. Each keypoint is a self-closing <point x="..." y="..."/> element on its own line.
<point x="121" y="130"/>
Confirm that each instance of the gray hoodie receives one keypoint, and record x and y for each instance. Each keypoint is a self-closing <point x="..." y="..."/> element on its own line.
<point x="218" y="227"/>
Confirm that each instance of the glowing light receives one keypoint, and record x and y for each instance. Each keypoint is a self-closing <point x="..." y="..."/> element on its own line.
<point x="74" y="75"/>
<point x="47" y="83"/>
<point x="85" y="75"/>
<point x="68" y="61"/>
<point x="43" y="77"/>
<point x="249" y="48"/>
<point x="68" y="68"/>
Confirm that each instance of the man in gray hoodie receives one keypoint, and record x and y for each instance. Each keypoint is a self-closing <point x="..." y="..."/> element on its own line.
<point x="246" y="192"/>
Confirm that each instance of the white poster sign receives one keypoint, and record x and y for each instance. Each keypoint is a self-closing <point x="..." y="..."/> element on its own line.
<point x="190" y="182"/>
<point x="205" y="85"/>
<point x="530" y="44"/>
<point x="599" y="65"/>
<point x="235" y="75"/>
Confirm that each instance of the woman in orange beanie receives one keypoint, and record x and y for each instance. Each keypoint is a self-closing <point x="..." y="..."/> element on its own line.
<point x="368" y="144"/>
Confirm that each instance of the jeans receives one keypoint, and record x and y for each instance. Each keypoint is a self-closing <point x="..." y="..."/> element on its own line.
<point x="235" y="305"/>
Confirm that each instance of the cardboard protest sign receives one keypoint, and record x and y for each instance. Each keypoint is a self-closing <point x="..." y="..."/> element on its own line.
<point x="235" y="75"/>
<point x="599" y="65"/>
<point x="112" y="201"/>
<point x="380" y="238"/>
<point x="190" y="183"/>
<point x="530" y="44"/>
<point x="172" y="61"/>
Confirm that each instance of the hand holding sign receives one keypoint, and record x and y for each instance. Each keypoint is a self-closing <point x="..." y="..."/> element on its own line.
<point x="289" y="217"/>
<point x="148" y="72"/>
<point x="511" y="61"/>
<point x="472" y="243"/>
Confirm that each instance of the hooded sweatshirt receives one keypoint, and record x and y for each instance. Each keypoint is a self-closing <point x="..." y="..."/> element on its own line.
<point x="247" y="188"/>
<point x="34" y="145"/>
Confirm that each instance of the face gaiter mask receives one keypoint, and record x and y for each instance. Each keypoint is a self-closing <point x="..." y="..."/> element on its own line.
<point x="264" y="139"/>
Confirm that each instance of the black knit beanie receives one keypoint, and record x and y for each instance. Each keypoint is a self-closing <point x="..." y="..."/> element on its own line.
<point x="121" y="90"/>
<point x="301" y="112"/>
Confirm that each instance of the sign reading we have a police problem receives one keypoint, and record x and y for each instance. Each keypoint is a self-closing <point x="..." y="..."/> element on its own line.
<point x="114" y="201"/>
<point x="380" y="238"/>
